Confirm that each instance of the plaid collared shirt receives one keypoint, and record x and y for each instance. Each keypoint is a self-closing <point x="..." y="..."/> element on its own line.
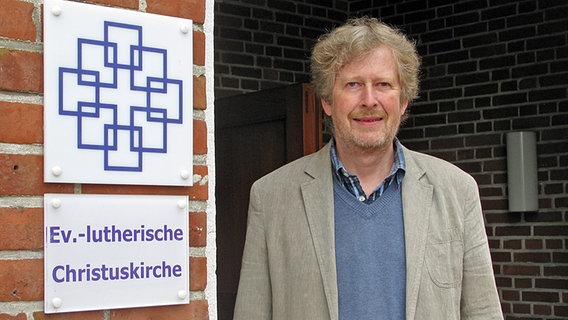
<point x="352" y="183"/>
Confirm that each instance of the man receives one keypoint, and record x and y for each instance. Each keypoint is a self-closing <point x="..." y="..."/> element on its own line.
<point x="365" y="228"/>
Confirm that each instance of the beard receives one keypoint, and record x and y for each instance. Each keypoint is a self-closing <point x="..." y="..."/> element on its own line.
<point x="367" y="139"/>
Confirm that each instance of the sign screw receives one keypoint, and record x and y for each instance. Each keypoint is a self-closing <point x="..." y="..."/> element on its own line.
<point x="182" y="294"/>
<point x="56" y="11"/>
<point x="184" y="28"/>
<point x="184" y="174"/>
<point x="182" y="204"/>
<point x="56" y="171"/>
<point x="56" y="303"/>
<point x="56" y="203"/>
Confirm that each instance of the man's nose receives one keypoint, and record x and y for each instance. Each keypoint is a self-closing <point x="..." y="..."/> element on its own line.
<point x="369" y="96"/>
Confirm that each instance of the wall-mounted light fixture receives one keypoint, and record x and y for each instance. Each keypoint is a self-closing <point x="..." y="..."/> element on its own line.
<point x="522" y="171"/>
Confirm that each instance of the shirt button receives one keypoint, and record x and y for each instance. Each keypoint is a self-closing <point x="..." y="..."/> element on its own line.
<point x="361" y="198"/>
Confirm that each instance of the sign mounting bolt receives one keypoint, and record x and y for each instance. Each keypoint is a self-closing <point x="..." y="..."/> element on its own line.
<point x="56" y="303"/>
<point x="56" y="171"/>
<point x="56" y="203"/>
<point x="184" y="28"/>
<point x="56" y="11"/>
<point x="182" y="294"/>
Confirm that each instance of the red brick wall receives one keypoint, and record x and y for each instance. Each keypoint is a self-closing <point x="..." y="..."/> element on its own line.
<point x="21" y="166"/>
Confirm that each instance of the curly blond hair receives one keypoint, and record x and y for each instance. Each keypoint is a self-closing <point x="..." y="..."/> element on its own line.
<point x="357" y="37"/>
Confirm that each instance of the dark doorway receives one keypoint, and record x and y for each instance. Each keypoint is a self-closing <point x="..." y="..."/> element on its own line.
<point x="255" y="133"/>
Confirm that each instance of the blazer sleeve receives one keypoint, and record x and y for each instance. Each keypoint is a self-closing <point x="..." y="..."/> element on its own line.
<point x="254" y="294"/>
<point x="479" y="299"/>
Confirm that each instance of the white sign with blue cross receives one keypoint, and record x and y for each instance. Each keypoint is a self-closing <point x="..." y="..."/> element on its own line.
<point x="118" y="96"/>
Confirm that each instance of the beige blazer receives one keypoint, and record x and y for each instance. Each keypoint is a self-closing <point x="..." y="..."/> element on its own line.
<point x="288" y="267"/>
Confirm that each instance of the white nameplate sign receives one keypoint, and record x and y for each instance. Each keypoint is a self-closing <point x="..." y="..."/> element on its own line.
<point x="118" y="96"/>
<point x="115" y="251"/>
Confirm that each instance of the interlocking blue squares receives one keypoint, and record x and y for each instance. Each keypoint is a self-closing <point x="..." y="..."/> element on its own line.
<point x="118" y="96"/>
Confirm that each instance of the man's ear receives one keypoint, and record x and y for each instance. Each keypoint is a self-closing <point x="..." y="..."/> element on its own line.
<point x="403" y="107"/>
<point x="326" y="106"/>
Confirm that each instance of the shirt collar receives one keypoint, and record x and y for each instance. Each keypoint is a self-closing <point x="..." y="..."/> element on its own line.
<point x="398" y="168"/>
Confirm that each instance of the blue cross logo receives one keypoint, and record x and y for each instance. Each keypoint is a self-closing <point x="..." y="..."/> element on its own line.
<point x="122" y="97"/>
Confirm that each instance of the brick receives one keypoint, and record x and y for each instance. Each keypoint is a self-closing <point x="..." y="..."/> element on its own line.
<point x="484" y="153"/>
<point x="21" y="123"/>
<point x="447" y="143"/>
<point x="495" y="165"/>
<point x="436" y="119"/>
<point x="483" y="140"/>
<point x="542" y="310"/>
<point x="554" y="244"/>
<point x="446" y="155"/>
<point x="23" y="175"/>
<point x="470" y="167"/>
<point x="509" y="295"/>
<point x="501" y="112"/>
<point x="198" y="229"/>
<point x="441" y="131"/>
<point x="199" y="137"/>
<point x="539" y="257"/>
<point x="129" y="4"/>
<point x="512" y="98"/>
<point x="547" y="94"/>
<point x="472" y="78"/>
<point x="521" y="270"/>
<point x="491" y="192"/>
<point x="501" y="256"/>
<point x="517" y="33"/>
<point x="523" y="283"/>
<point x="561" y="311"/>
<point x="560" y="257"/>
<point x="21" y="229"/>
<point x="533" y="244"/>
<point x="187" y="9"/>
<point x="497" y="62"/>
<point x="561" y="284"/>
<point x="513" y="231"/>
<point x="198" y="273"/>
<point x="199" y="48"/>
<point x="195" y="310"/>
<point x="481" y="89"/>
<point x="522" y="308"/>
<point x="16" y="20"/>
<point x="21" y="280"/>
<point x="199" y="93"/>
<point x="21" y="71"/>
<point x="19" y="316"/>
<point x="503" y="282"/>
<point x="540" y="296"/>
<point x="84" y="315"/>
<point x="554" y="230"/>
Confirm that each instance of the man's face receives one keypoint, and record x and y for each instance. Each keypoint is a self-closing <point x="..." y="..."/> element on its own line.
<point x="365" y="105"/>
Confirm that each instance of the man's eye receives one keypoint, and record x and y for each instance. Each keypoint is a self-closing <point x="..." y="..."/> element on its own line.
<point x="383" y="84"/>
<point x="352" y="84"/>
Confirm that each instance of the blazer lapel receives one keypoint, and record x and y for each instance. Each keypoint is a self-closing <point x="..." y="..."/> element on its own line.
<point x="416" y="206"/>
<point x="318" y="201"/>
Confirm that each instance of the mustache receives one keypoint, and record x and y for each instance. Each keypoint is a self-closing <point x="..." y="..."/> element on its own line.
<point x="367" y="113"/>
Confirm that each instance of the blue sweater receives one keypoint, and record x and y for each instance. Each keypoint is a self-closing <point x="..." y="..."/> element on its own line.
<point x="370" y="255"/>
